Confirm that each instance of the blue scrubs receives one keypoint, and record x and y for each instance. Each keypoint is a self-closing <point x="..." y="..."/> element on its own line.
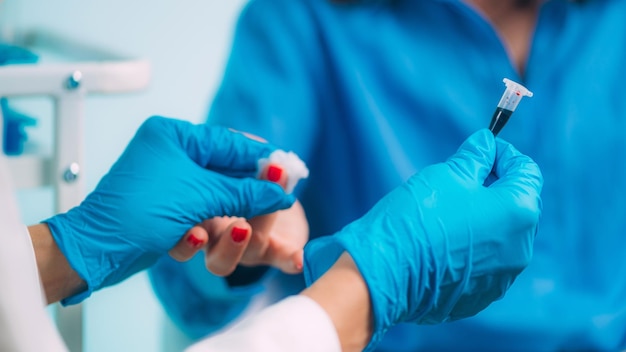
<point x="368" y="94"/>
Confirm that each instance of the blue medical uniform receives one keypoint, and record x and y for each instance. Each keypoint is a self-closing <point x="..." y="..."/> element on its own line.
<point x="370" y="93"/>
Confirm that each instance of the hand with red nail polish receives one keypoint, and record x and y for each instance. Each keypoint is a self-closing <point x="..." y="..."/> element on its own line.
<point x="172" y="176"/>
<point x="223" y="240"/>
<point x="276" y="241"/>
<point x="278" y="238"/>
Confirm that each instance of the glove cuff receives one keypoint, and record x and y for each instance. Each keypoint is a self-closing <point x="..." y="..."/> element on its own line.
<point x="320" y="254"/>
<point x="63" y="235"/>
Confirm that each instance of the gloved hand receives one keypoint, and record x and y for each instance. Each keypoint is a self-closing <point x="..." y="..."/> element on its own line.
<point x="444" y="245"/>
<point x="169" y="178"/>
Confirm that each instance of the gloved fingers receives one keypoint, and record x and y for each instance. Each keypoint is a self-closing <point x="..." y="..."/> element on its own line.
<point x="475" y="158"/>
<point x="221" y="149"/>
<point x="243" y="197"/>
<point x="224" y="255"/>
<point x="190" y="244"/>
<point x="520" y="182"/>
<point x="517" y="170"/>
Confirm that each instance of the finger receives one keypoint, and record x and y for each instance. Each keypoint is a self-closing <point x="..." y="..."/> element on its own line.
<point x="218" y="226"/>
<point x="474" y="159"/>
<point x="192" y="242"/>
<point x="210" y="230"/>
<point x="298" y="260"/>
<point x="245" y="197"/>
<point x="520" y="176"/>
<point x="284" y="248"/>
<point x="213" y="147"/>
<point x="260" y="239"/>
<point x="219" y="148"/>
<point x="284" y="258"/>
<point x="262" y="225"/>
<point x="281" y="160"/>
<point x="516" y="169"/>
<point x="274" y="251"/>
<point x="223" y="257"/>
<point x="275" y="173"/>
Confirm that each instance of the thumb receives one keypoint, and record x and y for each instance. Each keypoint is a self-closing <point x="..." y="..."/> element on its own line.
<point x="475" y="158"/>
<point x="242" y="197"/>
<point x="516" y="170"/>
<point x="520" y="181"/>
<point x="221" y="149"/>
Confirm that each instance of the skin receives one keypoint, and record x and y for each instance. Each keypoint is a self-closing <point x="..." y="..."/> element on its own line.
<point x="275" y="239"/>
<point x="343" y="294"/>
<point x="59" y="280"/>
<point x="514" y="22"/>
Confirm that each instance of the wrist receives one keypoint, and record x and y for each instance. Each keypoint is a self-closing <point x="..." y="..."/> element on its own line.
<point x="58" y="278"/>
<point x="343" y="294"/>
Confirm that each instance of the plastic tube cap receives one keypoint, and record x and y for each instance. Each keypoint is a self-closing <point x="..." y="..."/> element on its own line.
<point x="512" y="95"/>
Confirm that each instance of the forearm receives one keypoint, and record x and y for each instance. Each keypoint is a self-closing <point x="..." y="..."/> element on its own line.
<point x="58" y="278"/>
<point x="343" y="294"/>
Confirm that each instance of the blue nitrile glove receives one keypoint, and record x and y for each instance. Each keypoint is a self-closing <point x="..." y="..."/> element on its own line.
<point x="168" y="179"/>
<point x="443" y="246"/>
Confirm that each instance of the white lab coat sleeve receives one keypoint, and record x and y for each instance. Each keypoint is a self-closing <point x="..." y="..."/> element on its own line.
<point x="296" y="323"/>
<point x="24" y="323"/>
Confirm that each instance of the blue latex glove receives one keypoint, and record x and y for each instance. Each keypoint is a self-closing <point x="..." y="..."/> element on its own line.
<point x="443" y="246"/>
<point x="168" y="179"/>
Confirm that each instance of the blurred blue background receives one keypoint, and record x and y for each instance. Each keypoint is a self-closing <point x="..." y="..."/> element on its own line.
<point x="187" y="43"/>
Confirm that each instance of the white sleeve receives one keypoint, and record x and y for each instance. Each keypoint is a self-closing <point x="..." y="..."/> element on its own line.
<point x="296" y="323"/>
<point x="24" y="323"/>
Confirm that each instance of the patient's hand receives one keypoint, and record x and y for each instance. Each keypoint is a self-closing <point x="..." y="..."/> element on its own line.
<point x="275" y="239"/>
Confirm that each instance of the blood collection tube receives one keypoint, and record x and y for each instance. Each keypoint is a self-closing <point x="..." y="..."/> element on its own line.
<point x="512" y="95"/>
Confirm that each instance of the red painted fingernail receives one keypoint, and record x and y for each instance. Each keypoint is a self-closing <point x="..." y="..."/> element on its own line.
<point x="299" y="266"/>
<point x="274" y="173"/>
<point x="194" y="241"/>
<point x="239" y="234"/>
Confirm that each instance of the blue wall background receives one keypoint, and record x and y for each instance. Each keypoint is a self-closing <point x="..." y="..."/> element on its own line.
<point x="187" y="42"/>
